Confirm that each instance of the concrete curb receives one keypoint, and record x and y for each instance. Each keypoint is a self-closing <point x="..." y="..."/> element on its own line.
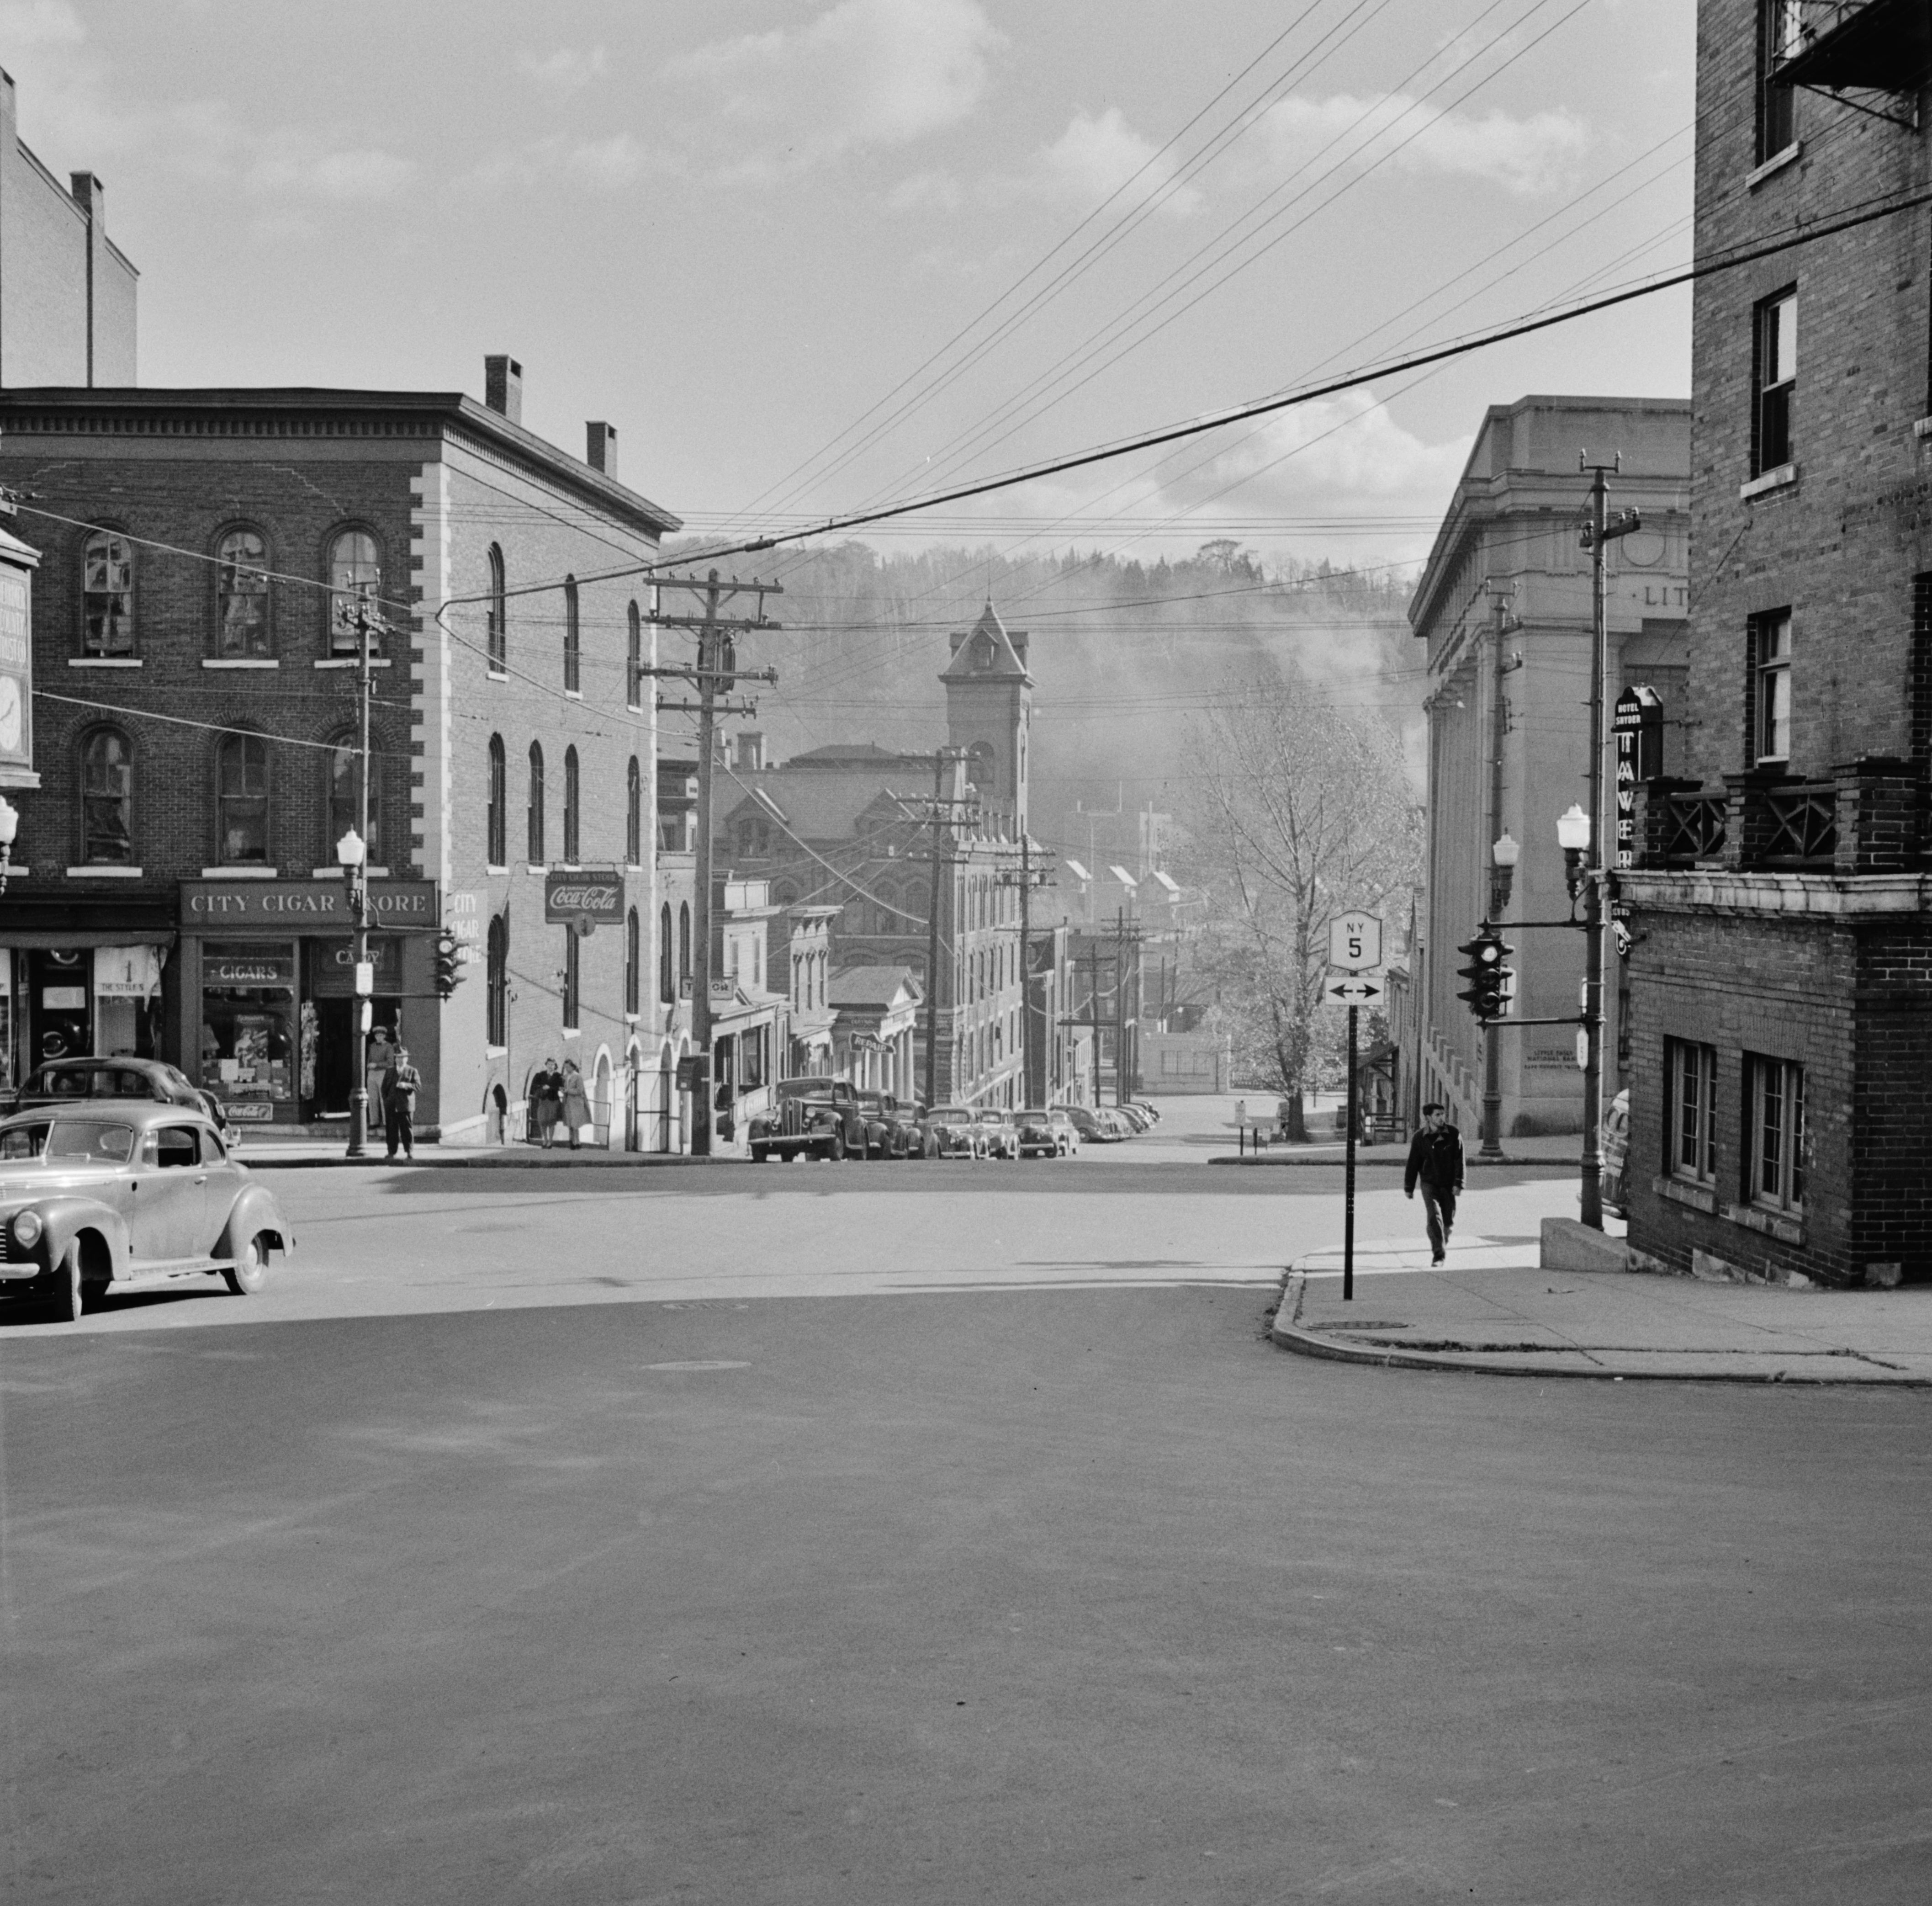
<point x="1333" y="1156"/>
<point x="265" y="1159"/>
<point x="1288" y="1334"/>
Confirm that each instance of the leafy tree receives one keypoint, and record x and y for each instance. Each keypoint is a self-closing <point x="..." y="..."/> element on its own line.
<point x="1303" y="813"/>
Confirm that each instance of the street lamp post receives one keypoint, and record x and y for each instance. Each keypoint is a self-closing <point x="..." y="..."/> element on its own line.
<point x="351" y="852"/>
<point x="1503" y="854"/>
<point x="1576" y="835"/>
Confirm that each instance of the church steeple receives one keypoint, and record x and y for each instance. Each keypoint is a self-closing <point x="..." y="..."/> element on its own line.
<point x="989" y="712"/>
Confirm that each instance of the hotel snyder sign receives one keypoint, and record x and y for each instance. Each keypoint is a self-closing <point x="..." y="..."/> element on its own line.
<point x="583" y="897"/>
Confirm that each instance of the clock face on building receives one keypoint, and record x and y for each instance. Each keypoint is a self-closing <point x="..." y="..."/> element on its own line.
<point x="9" y="714"/>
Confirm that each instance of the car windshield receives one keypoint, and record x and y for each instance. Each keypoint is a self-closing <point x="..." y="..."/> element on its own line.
<point x="93" y="1139"/>
<point x="90" y="1082"/>
<point x="804" y="1088"/>
<point x="991" y="1118"/>
<point x="1039" y="1112"/>
<point x="956" y="1113"/>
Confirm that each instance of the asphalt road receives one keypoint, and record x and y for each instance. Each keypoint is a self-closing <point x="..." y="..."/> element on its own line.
<point x="1079" y="1593"/>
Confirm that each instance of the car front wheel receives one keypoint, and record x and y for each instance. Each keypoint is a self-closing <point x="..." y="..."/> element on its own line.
<point x="250" y="1271"/>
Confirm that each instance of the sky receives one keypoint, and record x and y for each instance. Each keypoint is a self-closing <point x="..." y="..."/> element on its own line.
<point x="807" y="258"/>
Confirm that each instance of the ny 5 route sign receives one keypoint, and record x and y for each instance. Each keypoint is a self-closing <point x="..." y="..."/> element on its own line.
<point x="1354" y="942"/>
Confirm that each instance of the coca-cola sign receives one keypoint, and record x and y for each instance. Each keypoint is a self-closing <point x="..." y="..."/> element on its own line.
<point x="578" y="897"/>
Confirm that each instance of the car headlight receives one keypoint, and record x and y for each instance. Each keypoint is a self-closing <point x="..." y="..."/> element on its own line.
<point x="27" y="1229"/>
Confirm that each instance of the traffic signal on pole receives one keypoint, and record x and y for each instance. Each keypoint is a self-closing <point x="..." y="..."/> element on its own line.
<point x="448" y="959"/>
<point x="1491" y="984"/>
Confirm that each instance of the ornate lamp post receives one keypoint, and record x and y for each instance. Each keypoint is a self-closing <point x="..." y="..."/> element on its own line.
<point x="1574" y="834"/>
<point x="352" y="857"/>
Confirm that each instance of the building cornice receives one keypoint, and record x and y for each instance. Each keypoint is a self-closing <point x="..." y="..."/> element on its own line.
<point x="247" y="413"/>
<point x="1704" y="890"/>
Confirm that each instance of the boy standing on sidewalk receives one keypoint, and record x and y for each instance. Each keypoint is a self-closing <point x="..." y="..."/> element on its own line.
<point x="1436" y="1163"/>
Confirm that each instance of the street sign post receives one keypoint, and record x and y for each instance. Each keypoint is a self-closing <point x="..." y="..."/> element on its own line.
<point x="1354" y="945"/>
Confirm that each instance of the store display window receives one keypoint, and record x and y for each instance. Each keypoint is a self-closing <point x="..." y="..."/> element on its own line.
<point x="251" y="1033"/>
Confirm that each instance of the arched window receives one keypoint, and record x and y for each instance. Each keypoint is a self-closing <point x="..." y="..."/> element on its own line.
<point x="496" y="814"/>
<point x="345" y="771"/>
<point x="634" y="814"/>
<point x="497" y="996"/>
<point x="107" y="594"/>
<point x="633" y="961"/>
<point x="107" y="799"/>
<point x="241" y="800"/>
<point x="570" y="967"/>
<point x="533" y="818"/>
<point x="570" y="842"/>
<point x="496" y="621"/>
<point x="683" y="944"/>
<point x="354" y="574"/>
<point x="241" y="595"/>
<point x="573" y="640"/>
<point x="666" y="979"/>
<point x="634" y="662"/>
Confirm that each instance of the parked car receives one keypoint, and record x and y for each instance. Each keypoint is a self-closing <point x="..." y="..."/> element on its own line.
<point x="1153" y="1111"/>
<point x="892" y="1126"/>
<point x="813" y="1117"/>
<point x="1091" y="1124"/>
<point x="1613" y="1148"/>
<point x="59" y="1081"/>
<point x="98" y="1196"/>
<point x="1003" y="1136"/>
<point x="1137" y="1120"/>
<point x="952" y="1131"/>
<point x="1046" y="1132"/>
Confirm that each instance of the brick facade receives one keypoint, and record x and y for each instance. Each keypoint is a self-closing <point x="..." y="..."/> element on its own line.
<point x="437" y="481"/>
<point x="1781" y="910"/>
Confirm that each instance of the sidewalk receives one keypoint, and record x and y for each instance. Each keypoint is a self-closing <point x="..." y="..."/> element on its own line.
<point x="1491" y="1309"/>
<point x="268" y="1154"/>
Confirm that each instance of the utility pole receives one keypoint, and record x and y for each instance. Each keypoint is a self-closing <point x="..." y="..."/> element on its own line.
<point x="717" y="670"/>
<point x="942" y="814"/>
<point x="1491" y="1150"/>
<point x="1601" y="530"/>
<point x="1126" y="934"/>
<point x="362" y="617"/>
<point x="1026" y="877"/>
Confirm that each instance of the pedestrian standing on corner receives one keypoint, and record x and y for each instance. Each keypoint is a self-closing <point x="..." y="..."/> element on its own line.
<point x="1436" y="1163"/>
<point x="546" y="1101"/>
<point x="576" y="1106"/>
<point x="400" y="1084"/>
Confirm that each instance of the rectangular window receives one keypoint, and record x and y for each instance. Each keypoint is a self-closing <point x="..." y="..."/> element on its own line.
<point x="1777" y="39"/>
<point x="1775" y="1164"/>
<point x="1775" y="380"/>
<point x="1767" y="712"/>
<point x="1690" y="1116"/>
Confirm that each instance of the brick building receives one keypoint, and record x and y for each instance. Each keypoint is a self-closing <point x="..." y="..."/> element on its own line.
<point x="1780" y="975"/>
<point x="1508" y="728"/>
<point x="197" y="710"/>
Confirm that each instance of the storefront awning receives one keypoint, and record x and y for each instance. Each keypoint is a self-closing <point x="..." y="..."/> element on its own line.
<point x="65" y="940"/>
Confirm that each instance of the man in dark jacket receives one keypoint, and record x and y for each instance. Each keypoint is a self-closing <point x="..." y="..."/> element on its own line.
<point x="400" y="1084"/>
<point x="1436" y="1163"/>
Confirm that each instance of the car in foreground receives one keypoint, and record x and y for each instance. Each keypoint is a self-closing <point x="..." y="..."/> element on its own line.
<point x="1046" y="1132"/>
<point x="810" y="1118"/>
<point x="1093" y="1127"/>
<point x="952" y="1131"/>
<point x="97" y="1197"/>
<point x="1003" y="1136"/>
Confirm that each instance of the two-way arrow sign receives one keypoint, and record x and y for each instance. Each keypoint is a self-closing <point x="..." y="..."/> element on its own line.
<point x="1354" y="990"/>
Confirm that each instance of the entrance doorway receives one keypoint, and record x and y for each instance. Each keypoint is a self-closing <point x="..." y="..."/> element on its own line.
<point x="60" y="1002"/>
<point x="335" y="1052"/>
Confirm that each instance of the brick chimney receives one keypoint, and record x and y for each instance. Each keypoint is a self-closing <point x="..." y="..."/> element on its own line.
<point x="600" y="450"/>
<point x="503" y="386"/>
<point x="752" y="751"/>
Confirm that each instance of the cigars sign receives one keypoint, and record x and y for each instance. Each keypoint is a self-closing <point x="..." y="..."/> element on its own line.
<point x="584" y="899"/>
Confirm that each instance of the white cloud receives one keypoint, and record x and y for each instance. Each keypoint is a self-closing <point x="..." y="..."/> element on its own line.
<point x="29" y="25"/>
<point x="1094" y="157"/>
<point x="1526" y="155"/>
<point x="569" y="69"/>
<point x="357" y="176"/>
<point x="604" y="164"/>
<point x="867" y="73"/>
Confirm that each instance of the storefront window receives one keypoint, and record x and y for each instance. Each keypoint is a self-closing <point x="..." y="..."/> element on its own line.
<point x="250" y="1033"/>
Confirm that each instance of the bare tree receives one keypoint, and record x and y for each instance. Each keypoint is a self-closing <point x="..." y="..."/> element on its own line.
<point x="1303" y="813"/>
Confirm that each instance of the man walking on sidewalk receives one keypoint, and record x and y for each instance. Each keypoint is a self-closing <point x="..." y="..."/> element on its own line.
<point x="1436" y="1163"/>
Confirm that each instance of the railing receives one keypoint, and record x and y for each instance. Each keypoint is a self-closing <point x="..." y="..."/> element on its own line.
<point x="1802" y="823"/>
<point x="1694" y="828"/>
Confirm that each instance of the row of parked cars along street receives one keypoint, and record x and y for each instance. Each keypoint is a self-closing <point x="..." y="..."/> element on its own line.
<point x="831" y="1118"/>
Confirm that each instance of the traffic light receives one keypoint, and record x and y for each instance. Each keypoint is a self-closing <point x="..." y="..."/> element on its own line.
<point x="1491" y="984"/>
<point x="448" y="959"/>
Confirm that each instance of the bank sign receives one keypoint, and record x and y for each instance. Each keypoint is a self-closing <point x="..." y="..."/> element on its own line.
<point x="302" y="906"/>
<point x="584" y="899"/>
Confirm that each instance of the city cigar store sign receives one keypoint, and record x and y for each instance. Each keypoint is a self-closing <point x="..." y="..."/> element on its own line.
<point x="584" y="899"/>
<point x="303" y="906"/>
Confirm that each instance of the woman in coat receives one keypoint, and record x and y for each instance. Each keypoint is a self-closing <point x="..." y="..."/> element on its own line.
<point x="576" y="1104"/>
<point x="546" y="1102"/>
